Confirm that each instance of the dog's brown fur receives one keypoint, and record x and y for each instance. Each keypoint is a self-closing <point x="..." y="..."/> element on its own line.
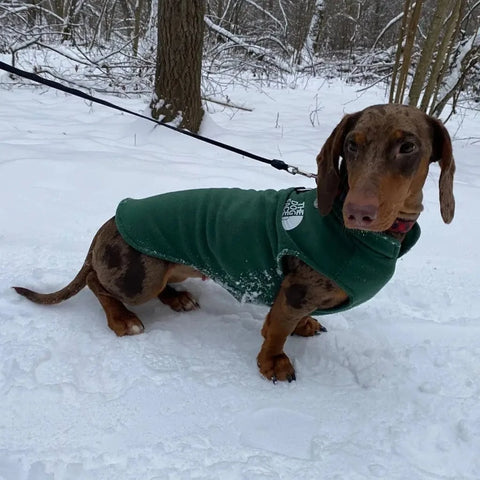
<point x="387" y="150"/>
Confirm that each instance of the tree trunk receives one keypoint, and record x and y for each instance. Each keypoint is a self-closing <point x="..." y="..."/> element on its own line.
<point x="407" y="49"/>
<point x="467" y="55"/>
<point x="137" y="26"/>
<point x="399" y="52"/>
<point x="70" y="21"/>
<point x="449" y="57"/>
<point x="428" y="50"/>
<point x="443" y="55"/>
<point x="179" y="63"/>
<point x="311" y="33"/>
<point x="32" y="13"/>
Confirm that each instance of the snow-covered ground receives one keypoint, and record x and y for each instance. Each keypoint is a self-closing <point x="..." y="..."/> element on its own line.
<point x="392" y="391"/>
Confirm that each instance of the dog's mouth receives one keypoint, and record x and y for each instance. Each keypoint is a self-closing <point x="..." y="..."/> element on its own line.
<point x="397" y="225"/>
<point x="365" y="217"/>
<point x="362" y="223"/>
<point x="369" y="213"/>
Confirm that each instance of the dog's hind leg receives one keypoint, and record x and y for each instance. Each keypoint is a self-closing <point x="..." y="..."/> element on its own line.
<point x="178" y="300"/>
<point x="308" y="327"/>
<point x="121" y="320"/>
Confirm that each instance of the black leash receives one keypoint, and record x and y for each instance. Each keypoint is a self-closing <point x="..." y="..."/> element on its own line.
<point x="278" y="164"/>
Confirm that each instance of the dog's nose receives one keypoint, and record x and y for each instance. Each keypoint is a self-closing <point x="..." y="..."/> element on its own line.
<point x="358" y="215"/>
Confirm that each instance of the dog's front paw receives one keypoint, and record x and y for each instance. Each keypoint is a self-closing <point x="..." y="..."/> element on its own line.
<point x="276" y="368"/>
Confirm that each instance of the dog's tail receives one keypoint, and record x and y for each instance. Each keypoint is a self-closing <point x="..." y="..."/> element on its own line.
<point x="79" y="282"/>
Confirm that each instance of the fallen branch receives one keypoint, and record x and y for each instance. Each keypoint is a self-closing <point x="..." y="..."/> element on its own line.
<point x="227" y="104"/>
<point x="261" y="53"/>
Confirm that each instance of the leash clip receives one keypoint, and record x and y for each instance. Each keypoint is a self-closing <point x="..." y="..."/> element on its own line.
<point x="296" y="171"/>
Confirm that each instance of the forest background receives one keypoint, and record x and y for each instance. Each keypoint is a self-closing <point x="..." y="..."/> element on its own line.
<point x="425" y="52"/>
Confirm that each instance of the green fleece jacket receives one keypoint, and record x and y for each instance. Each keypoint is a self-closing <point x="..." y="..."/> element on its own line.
<point x="239" y="237"/>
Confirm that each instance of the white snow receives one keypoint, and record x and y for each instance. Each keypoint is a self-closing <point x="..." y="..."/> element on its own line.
<point x="392" y="391"/>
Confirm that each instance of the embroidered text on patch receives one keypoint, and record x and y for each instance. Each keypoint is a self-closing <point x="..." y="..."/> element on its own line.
<point x="292" y="214"/>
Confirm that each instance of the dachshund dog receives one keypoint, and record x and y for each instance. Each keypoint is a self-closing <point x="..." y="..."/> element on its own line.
<point x="371" y="172"/>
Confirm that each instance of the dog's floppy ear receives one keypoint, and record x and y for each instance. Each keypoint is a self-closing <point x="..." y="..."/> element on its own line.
<point x="442" y="152"/>
<point x="328" y="178"/>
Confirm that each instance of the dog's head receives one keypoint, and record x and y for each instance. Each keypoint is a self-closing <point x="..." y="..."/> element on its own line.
<point x="386" y="151"/>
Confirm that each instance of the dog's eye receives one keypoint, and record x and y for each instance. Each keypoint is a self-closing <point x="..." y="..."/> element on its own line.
<point x="352" y="146"/>
<point x="407" y="147"/>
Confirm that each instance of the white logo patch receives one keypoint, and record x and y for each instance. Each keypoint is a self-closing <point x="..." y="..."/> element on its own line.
<point x="292" y="214"/>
